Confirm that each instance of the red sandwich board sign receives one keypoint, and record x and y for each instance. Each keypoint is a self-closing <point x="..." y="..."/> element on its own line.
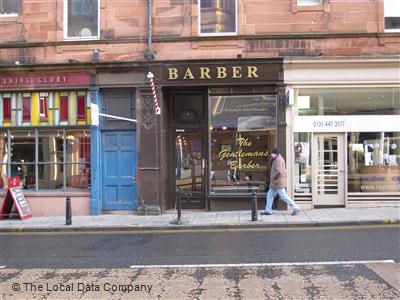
<point x="15" y="198"/>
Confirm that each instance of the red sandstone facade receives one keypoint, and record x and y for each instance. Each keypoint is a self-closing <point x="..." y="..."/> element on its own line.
<point x="279" y="53"/>
<point x="266" y="28"/>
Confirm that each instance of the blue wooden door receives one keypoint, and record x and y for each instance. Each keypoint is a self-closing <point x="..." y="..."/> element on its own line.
<point x="119" y="170"/>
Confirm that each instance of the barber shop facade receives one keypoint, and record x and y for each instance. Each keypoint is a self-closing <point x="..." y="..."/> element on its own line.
<point x="209" y="147"/>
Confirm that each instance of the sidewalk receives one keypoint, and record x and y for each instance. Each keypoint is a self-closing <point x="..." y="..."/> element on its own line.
<point x="207" y="220"/>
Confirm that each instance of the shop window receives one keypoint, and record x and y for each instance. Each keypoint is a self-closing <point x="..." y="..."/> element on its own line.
<point x="243" y="132"/>
<point x="43" y="106"/>
<point x="7" y="109"/>
<point x="3" y="159"/>
<point x="77" y="176"/>
<point x="9" y="7"/>
<point x="26" y="109"/>
<point x="64" y="108"/>
<point x="373" y="162"/>
<point x="218" y="17"/>
<point x="47" y="158"/>
<point x="50" y="146"/>
<point x="22" y="156"/>
<point x="81" y="19"/>
<point x="348" y="101"/>
<point x="392" y="15"/>
<point x="302" y="163"/>
<point x="81" y="107"/>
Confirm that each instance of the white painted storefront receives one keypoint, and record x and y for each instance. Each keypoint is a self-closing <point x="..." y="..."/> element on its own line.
<point x="343" y="131"/>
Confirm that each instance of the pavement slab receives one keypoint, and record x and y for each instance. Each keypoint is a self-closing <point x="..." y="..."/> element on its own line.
<point x="196" y="219"/>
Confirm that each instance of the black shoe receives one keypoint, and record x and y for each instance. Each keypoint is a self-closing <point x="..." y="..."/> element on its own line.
<point x="295" y="212"/>
<point x="265" y="213"/>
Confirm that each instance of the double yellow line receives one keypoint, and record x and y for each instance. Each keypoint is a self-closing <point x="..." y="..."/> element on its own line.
<point x="194" y="230"/>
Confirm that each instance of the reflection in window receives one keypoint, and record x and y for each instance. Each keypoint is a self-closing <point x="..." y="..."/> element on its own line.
<point x="217" y="16"/>
<point x="348" y="101"/>
<point x="77" y="146"/>
<point x="3" y="159"/>
<point x="78" y="176"/>
<point x="309" y="2"/>
<point x="243" y="131"/>
<point x="82" y="18"/>
<point x="50" y="146"/>
<point x="9" y="7"/>
<point x="46" y="158"/>
<point x="392" y="15"/>
<point x="373" y="162"/>
<point x="302" y="163"/>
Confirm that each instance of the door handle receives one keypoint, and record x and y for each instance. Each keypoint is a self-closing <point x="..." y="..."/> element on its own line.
<point x="134" y="179"/>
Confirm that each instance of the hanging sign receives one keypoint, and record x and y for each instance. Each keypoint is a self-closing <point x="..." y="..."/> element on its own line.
<point x="15" y="198"/>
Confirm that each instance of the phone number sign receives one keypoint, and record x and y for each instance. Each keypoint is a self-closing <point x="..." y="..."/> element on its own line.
<point x="371" y="123"/>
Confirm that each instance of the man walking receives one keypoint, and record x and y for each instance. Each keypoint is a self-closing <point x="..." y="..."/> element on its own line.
<point x="278" y="184"/>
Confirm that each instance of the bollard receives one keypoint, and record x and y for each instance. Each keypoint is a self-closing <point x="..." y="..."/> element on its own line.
<point x="254" y="216"/>
<point x="68" y="213"/>
<point x="178" y="205"/>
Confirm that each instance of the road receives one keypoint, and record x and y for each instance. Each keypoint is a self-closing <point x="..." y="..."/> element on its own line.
<point x="123" y="249"/>
<point x="287" y="263"/>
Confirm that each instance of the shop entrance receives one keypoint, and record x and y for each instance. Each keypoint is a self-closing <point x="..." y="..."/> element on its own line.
<point x="189" y="150"/>
<point x="119" y="170"/>
<point x="190" y="169"/>
<point x="328" y="170"/>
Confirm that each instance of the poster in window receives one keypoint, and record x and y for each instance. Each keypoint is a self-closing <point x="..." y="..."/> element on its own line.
<point x="301" y="152"/>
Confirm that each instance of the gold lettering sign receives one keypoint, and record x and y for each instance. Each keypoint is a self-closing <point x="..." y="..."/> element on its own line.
<point x="220" y="72"/>
<point x="233" y="156"/>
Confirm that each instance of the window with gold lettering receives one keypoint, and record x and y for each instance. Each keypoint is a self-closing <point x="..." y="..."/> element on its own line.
<point x="243" y="132"/>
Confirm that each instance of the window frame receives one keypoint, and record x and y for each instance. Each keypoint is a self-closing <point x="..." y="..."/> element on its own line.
<point x="37" y="164"/>
<point x="217" y="33"/>
<point x="309" y="3"/>
<point x="81" y="107"/>
<point x="44" y="107"/>
<point x="7" y="109"/>
<point x="64" y="99"/>
<point x="219" y="135"/>
<point x="79" y="38"/>
<point x="391" y="9"/>
<point x="11" y="14"/>
<point x="26" y="109"/>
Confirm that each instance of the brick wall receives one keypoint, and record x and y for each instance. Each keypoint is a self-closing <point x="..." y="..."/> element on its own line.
<point x="266" y="28"/>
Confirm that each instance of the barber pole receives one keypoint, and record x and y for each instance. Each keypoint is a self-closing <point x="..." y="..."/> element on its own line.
<point x="157" y="109"/>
